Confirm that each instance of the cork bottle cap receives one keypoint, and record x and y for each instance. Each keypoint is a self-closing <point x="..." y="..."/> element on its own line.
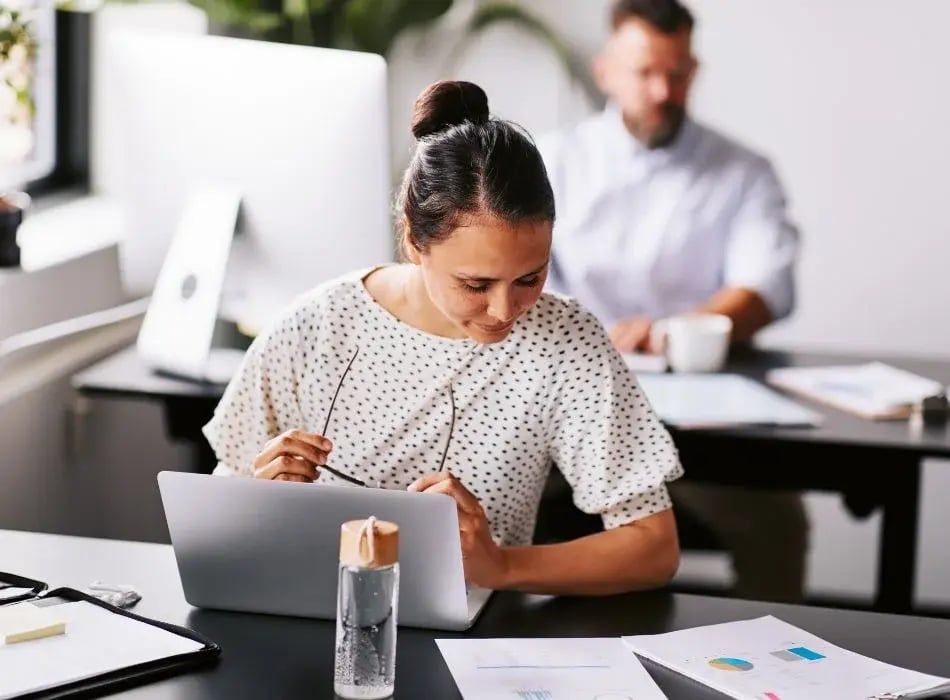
<point x="369" y="543"/>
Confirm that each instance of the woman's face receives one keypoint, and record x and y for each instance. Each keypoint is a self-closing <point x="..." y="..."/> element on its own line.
<point x="486" y="274"/>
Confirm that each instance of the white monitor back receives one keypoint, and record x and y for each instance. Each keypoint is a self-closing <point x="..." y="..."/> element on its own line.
<point x="178" y="328"/>
<point x="300" y="133"/>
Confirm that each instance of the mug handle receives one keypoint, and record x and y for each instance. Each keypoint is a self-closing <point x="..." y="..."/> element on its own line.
<point x="658" y="333"/>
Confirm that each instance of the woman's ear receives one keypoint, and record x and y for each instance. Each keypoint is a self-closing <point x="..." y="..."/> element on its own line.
<point x="409" y="249"/>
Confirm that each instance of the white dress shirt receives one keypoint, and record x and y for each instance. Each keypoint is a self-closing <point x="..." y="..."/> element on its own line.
<point x="656" y="232"/>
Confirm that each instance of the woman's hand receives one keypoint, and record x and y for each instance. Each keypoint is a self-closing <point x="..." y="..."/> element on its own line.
<point x="292" y="456"/>
<point x="484" y="561"/>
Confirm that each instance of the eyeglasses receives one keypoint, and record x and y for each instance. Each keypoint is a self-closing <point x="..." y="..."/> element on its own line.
<point x="326" y="424"/>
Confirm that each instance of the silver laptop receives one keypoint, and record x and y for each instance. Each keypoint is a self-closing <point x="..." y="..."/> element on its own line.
<point x="273" y="547"/>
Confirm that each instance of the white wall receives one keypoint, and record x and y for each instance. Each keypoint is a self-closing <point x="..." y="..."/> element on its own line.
<point x="850" y="99"/>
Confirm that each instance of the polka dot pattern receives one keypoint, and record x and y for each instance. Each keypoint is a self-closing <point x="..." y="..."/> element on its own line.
<point x="554" y="391"/>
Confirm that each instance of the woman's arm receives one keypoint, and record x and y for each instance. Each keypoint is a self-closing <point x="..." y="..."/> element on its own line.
<point x="642" y="554"/>
<point x="617" y="457"/>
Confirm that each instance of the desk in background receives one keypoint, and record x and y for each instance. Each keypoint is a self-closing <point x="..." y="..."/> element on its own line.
<point x="872" y="464"/>
<point x="187" y="405"/>
<point x="268" y="656"/>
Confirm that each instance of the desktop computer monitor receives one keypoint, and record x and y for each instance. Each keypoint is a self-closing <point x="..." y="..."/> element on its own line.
<point x="299" y="134"/>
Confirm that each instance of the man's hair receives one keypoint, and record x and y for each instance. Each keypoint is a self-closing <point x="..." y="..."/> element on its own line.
<point x="667" y="16"/>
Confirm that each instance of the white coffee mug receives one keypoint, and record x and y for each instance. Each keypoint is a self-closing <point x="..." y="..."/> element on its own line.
<point x="695" y="342"/>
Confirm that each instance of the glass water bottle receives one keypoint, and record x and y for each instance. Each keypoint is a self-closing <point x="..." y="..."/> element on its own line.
<point x="367" y="598"/>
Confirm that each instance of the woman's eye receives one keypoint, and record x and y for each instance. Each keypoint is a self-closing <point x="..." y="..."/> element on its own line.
<point x="482" y="288"/>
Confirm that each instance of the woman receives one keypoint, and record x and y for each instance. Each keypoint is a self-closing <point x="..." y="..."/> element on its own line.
<point x="454" y="374"/>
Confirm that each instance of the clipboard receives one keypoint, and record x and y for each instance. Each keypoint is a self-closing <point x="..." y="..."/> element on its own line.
<point x="36" y="588"/>
<point x="126" y="677"/>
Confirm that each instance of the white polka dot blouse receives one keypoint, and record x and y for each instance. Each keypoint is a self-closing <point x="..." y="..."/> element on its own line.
<point x="496" y="416"/>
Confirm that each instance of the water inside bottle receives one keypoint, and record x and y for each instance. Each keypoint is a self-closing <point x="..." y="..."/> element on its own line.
<point x="366" y="632"/>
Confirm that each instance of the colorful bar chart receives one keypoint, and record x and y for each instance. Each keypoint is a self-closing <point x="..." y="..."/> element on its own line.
<point x="797" y="654"/>
<point x="807" y="653"/>
<point x="786" y="655"/>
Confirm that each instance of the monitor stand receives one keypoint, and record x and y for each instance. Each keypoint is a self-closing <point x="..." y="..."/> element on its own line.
<point x="178" y="329"/>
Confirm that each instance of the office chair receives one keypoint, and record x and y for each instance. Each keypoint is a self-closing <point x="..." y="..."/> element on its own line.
<point x="560" y="520"/>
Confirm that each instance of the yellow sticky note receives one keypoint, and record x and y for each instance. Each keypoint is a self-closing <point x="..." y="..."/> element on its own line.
<point x="24" y="621"/>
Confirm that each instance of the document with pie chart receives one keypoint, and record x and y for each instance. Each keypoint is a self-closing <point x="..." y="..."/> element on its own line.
<point x="547" y="669"/>
<point x="769" y="659"/>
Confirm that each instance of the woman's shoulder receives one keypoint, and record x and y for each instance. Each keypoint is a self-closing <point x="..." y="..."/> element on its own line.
<point x="339" y="295"/>
<point x="327" y="302"/>
<point x="568" y="339"/>
<point x="562" y="330"/>
<point x="560" y="316"/>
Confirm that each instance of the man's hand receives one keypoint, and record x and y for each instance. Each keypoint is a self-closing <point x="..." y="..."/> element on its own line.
<point x="484" y="561"/>
<point x="633" y="335"/>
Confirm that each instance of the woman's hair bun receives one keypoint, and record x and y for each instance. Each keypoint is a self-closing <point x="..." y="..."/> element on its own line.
<point x="448" y="103"/>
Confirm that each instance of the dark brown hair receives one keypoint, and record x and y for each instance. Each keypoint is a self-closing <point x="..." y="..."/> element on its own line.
<point x="468" y="163"/>
<point x="667" y="16"/>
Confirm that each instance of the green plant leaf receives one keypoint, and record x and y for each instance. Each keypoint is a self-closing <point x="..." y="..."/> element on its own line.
<point x="496" y="13"/>
<point x="296" y="8"/>
<point x="372" y="25"/>
<point x="240" y="13"/>
<point x="508" y="12"/>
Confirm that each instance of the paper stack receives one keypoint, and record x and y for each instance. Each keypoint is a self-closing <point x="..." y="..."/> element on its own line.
<point x="768" y="659"/>
<point x="547" y="669"/>
<point x="874" y="390"/>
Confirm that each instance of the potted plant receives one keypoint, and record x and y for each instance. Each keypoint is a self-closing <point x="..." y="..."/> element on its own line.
<point x="18" y="46"/>
<point x="12" y="207"/>
<point x="363" y="25"/>
<point x="372" y="25"/>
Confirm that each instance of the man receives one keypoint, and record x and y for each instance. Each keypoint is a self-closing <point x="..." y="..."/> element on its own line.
<point x="658" y="215"/>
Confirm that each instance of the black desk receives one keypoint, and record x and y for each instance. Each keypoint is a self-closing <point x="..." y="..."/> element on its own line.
<point x="187" y="405"/>
<point x="276" y="657"/>
<point x="873" y="464"/>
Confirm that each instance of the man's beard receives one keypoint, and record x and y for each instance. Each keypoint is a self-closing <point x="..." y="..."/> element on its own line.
<point x="665" y="133"/>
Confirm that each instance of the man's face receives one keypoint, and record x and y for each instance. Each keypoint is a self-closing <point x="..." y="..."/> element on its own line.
<point x="648" y="74"/>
